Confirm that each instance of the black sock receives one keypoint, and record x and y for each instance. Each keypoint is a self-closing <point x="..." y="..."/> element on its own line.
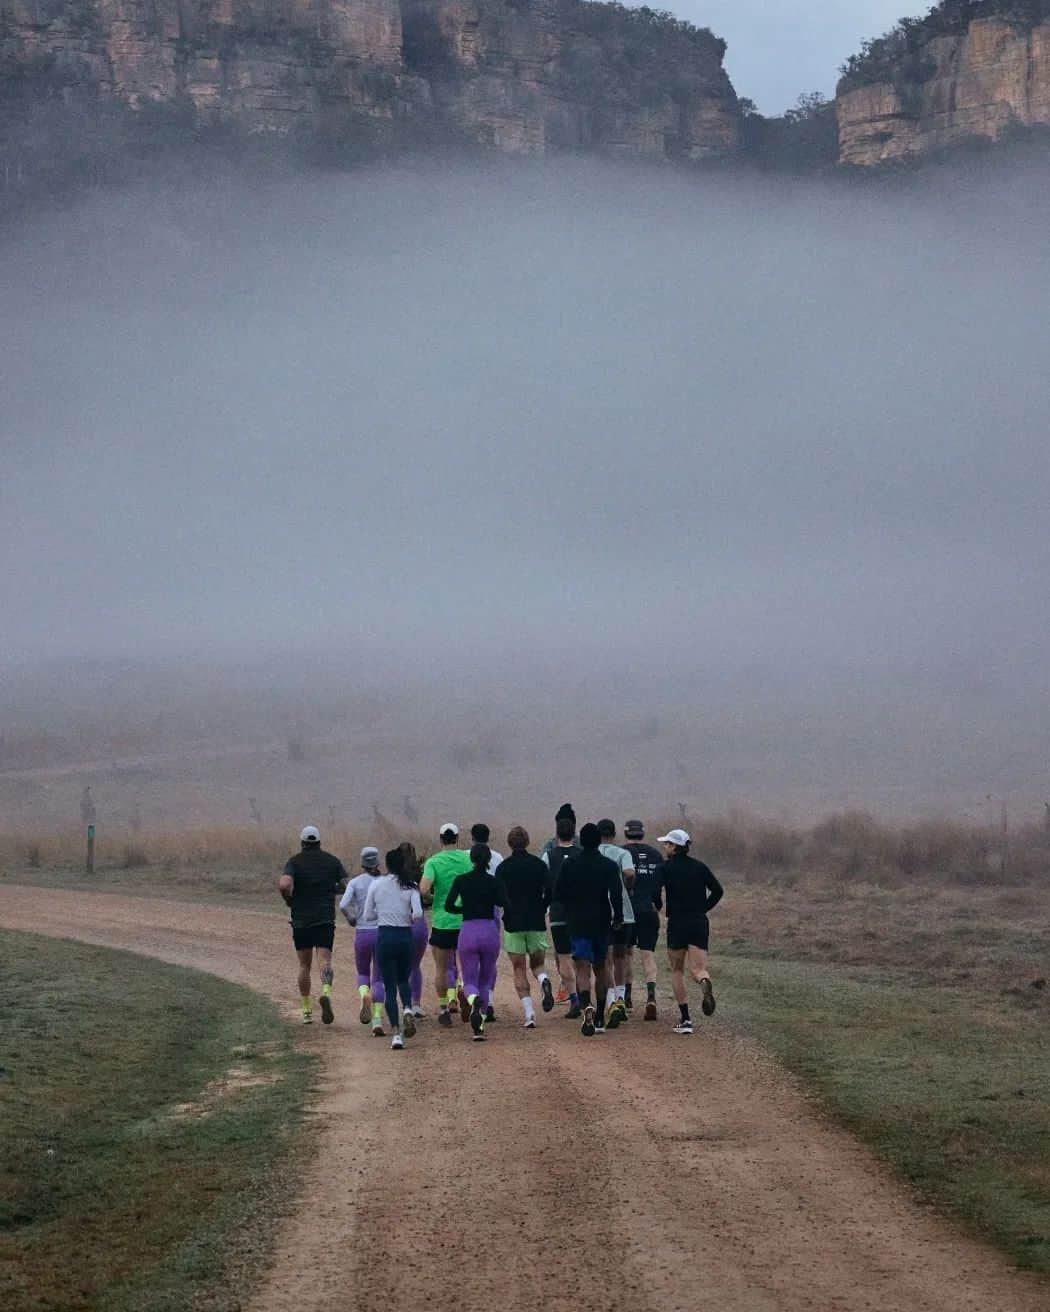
<point x="585" y="997"/>
<point x="650" y="990"/>
<point x="599" y="1011"/>
<point x="683" y="1007"/>
<point x="627" y="993"/>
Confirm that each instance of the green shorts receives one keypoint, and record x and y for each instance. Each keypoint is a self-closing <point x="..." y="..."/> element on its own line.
<point x="525" y="943"/>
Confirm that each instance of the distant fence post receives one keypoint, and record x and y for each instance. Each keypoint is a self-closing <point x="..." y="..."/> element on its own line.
<point x="89" y="866"/>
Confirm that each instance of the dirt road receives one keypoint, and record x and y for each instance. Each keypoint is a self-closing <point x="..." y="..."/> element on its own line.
<point x="635" y="1171"/>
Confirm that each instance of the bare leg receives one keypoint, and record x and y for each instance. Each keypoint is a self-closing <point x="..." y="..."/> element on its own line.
<point x="324" y="962"/>
<point x="676" y="957"/>
<point x="697" y="959"/>
<point x="306" y="961"/>
<point x="521" y="979"/>
<point x="649" y="966"/>
<point x="566" y="972"/>
<point x="440" y="973"/>
<point x="537" y="961"/>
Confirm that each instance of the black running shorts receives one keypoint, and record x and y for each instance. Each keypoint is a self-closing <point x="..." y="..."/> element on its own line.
<point x="444" y="938"/>
<point x="313" y="936"/>
<point x="692" y="933"/>
<point x="647" y="929"/>
<point x="622" y="937"/>
<point x="562" y="940"/>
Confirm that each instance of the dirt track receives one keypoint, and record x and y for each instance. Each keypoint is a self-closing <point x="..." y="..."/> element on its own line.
<point x="634" y="1171"/>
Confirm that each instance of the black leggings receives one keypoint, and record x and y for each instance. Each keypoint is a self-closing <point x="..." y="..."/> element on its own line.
<point x="394" y="953"/>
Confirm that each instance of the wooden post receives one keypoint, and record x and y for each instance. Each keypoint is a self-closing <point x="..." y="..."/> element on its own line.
<point x="89" y="868"/>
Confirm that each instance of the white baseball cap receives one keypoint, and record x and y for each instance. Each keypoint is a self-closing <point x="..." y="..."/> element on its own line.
<point x="449" y="828"/>
<point x="677" y="836"/>
<point x="310" y="835"/>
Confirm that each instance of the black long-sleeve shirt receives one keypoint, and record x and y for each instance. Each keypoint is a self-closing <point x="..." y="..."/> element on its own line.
<point x="590" y="890"/>
<point x="476" y="895"/>
<point x="690" y="887"/>
<point x="526" y="880"/>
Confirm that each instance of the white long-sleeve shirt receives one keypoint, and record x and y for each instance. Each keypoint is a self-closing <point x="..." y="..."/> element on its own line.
<point x="390" y="905"/>
<point x="352" y="903"/>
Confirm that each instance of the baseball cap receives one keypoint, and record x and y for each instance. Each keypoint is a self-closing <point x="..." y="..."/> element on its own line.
<point x="634" y="829"/>
<point x="449" y="828"/>
<point x="370" y="856"/>
<point x="677" y="836"/>
<point x="310" y="835"/>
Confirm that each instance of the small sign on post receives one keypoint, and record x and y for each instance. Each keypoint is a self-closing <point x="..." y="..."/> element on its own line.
<point x="90" y="864"/>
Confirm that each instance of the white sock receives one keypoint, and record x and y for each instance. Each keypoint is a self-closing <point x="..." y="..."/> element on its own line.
<point x="530" y="1013"/>
<point x="610" y="997"/>
<point x="541" y="977"/>
<point x="621" y="992"/>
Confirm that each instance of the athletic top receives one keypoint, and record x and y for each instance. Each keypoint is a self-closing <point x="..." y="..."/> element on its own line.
<point x="318" y="876"/>
<point x="553" y="856"/>
<point x="623" y="863"/>
<point x="496" y="859"/>
<point x="392" y="906"/>
<point x="691" y="888"/>
<point x="527" y="882"/>
<point x="352" y="903"/>
<point x="647" y="862"/>
<point x="591" y="892"/>
<point x="441" y="869"/>
<point x="476" y="896"/>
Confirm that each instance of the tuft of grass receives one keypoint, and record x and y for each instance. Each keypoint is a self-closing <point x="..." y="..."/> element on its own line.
<point x="141" y="1145"/>
<point x="951" y="1089"/>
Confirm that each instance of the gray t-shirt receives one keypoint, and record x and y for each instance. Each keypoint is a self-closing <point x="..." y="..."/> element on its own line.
<point x="392" y="906"/>
<point x="352" y="903"/>
<point x="624" y="862"/>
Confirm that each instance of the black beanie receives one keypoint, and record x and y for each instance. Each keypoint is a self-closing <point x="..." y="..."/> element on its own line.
<point x="589" y="836"/>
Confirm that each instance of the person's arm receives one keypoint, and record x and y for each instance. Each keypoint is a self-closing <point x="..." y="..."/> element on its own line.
<point x="453" y="894"/>
<point x="715" y="891"/>
<point x="417" y="905"/>
<point x="627" y="871"/>
<point x="348" y="905"/>
<point x="500" y="896"/>
<point x="343" y="878"/>
<point x="369" y="912"/>
<point x="616" y="893"/>
<point x="426" y="887"/>
<point x="658" y="884"/>
<point x="286" y="884"/>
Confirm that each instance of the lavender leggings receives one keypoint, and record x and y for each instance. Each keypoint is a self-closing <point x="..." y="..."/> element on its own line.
<point x="367" y="962"/>
<point x="419" y="951"/>
<point x="478" y="956"/>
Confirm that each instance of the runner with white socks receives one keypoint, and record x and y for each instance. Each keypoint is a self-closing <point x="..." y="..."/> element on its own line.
<point x="527" y="882"/>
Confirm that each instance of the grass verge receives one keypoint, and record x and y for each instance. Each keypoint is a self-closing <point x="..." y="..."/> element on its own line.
<point x="147" y="1113"/>
<point x="952" y="1089"/>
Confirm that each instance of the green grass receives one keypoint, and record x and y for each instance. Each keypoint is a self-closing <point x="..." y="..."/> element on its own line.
<point x="114" y="1195"/>
<point x="950" y="1087"/>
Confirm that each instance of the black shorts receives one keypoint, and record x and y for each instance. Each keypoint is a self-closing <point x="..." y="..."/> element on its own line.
<point x="562" y="940"/>
<point x="691" y="933"/>
<point x="622" y="937"/>
<point x="313" y="936"/>
<point x="445" y="938"/>
<point x="647" y="929"/>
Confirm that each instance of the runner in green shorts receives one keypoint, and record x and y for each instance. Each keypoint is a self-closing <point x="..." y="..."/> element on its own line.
<point x="527" y="881"/>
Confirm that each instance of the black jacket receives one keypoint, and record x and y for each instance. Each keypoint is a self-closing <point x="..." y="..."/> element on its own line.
<point x="475" y="895"/>
<point x="690" y="888"/>
<point x="527" y="881"/>
<point x="590" y="890"/>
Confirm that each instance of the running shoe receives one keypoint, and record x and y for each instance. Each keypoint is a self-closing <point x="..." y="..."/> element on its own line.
<point x="327" y="1014"/>
<point x="365" y="1014"/>
<point x="530" y="1024"/>
<point x="445" y="1018"/>
<point x="561" y="996"/>
<point x="684" y="1027"/>
<point x="418" y="1012"/>
<point x="464" y="1007"/>
<point x="707" y="1006"/>
<point x="650" y="1010"/>
<point x="378" y="1032"/>
<point x="614" y="1015"/>
<point x="574" y="1012"/>
<point x="308" y="1018"/>
<point x="477" y="1020"/>
<point x="548" y="996"/>
<point x="397" y="1042"/>
<point x="599" y="1028"/>
<point x="409" y="1025"/>
<point x="588" y="1027"/>
<point x="490" y="1016"/>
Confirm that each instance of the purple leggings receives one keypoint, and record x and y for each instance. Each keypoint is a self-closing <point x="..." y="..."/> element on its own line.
<point x="419" y="951"/>
<point x="478" y="956"/>
<point x="368" y="963"/>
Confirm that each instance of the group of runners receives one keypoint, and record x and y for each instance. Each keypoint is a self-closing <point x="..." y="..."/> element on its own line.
<point x="594" y="900"/>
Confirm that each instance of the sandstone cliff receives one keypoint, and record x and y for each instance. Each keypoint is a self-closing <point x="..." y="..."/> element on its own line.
<point x="517" y="75"/>
<point x="979" y="83"/>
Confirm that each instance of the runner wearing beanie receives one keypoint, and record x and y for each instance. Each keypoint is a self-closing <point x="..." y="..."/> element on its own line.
<point x="420" y="930"/>
<point x="691" y="891"/>
<point x="394" y="902"/>
<point x="475" y="897"/>
<point x="555" y="851"/>
<point x="622" y="939"/>
<point x="439" y="872"/>
<point x="527" y="883"/>
<point x="481" y="833"/>
<point x="590" y="890"/>
<point x="352" y="905"/>
<point x="309" y="884"/>
<point x="647" y="862"/>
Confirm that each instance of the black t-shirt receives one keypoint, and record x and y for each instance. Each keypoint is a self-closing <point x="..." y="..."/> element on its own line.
<point x="476" y="895"/>
<point x="526" y="880"/>
<point x="690" y="888"/>
<point x="318" y="876"/>
<point x="647" y="862"/>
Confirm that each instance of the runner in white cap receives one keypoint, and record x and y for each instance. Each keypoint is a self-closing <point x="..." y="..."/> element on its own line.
<point x="439" y="873"/>
<point x="309" y="885"/>
<point x="691" y="891"/>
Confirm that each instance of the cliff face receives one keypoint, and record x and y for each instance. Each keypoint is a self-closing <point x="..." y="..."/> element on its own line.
<point x="981" y="83"/>
<point x="519" y="75"/>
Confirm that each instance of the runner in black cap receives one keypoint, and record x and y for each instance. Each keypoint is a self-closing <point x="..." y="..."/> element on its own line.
<point x="647" y="862"/>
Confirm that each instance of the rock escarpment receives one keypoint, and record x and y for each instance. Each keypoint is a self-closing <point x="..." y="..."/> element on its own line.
<point x="980" y="83"/>
<point x="518" y="75"/>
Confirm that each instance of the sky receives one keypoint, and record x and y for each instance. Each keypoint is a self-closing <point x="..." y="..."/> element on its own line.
<point x="782" y="50"/>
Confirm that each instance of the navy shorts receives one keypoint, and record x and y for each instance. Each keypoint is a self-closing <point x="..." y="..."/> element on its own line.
<point x="593" y="949"/>
<point x="313" y="936"/>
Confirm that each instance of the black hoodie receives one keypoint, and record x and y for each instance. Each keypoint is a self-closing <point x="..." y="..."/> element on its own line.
<point x="591" y="893"/>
